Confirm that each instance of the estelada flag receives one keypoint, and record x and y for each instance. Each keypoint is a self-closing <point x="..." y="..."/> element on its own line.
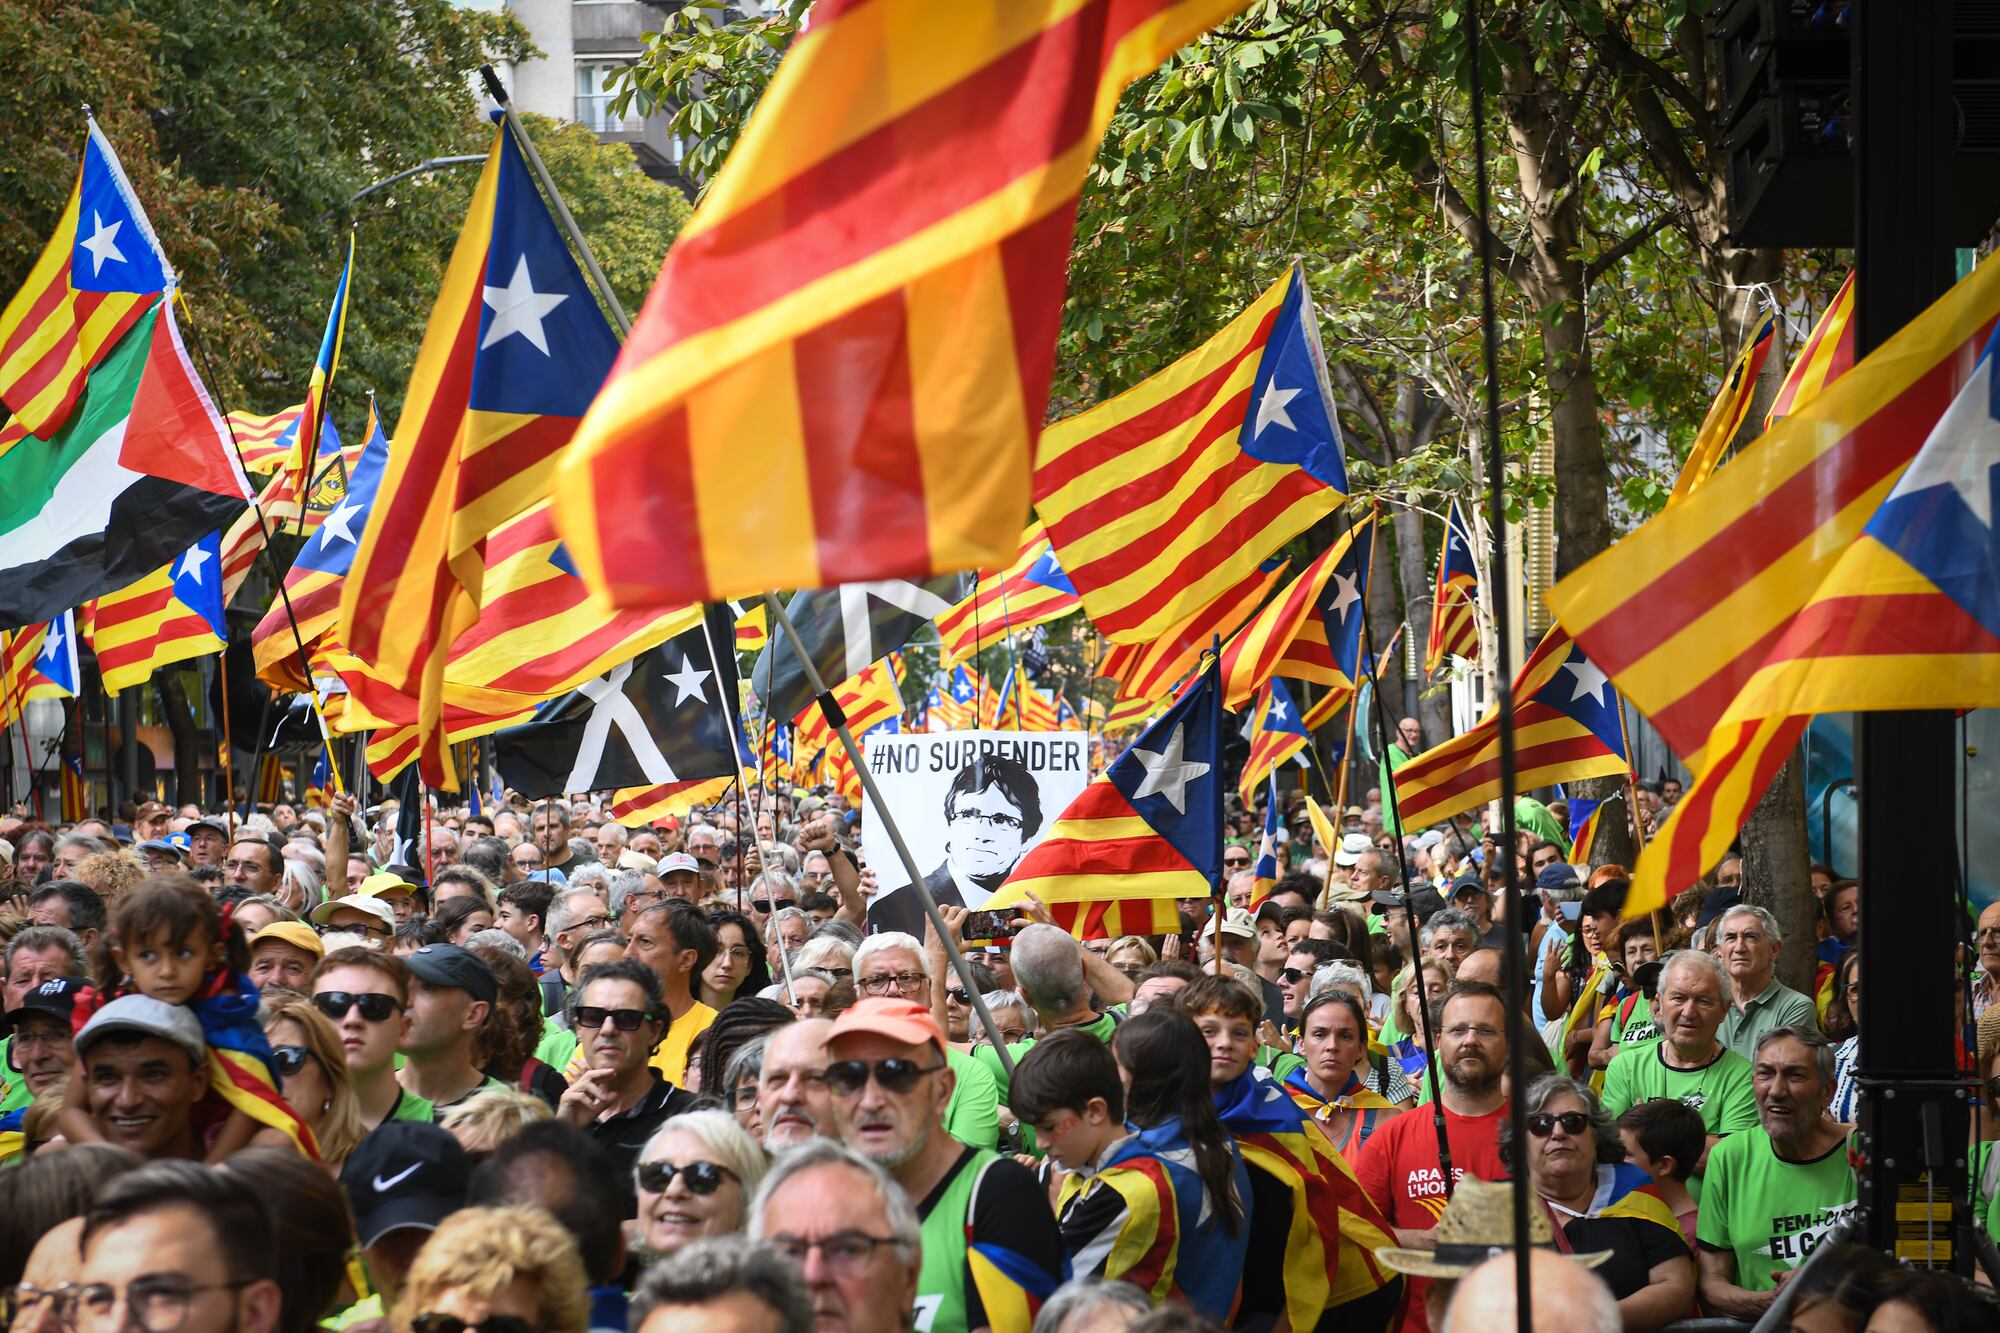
<point x="1167" y="496"/>
<point x="1031" y="591"/>
<point x="1149" y="671"/>
<point x="1455" y="596"/>
<point x="1146" y="831"/>
<point x="840" y="373"/>
<point x="1277" y="733"/>
<point x="172" y="615"/>
<point x="1311" y="630"/>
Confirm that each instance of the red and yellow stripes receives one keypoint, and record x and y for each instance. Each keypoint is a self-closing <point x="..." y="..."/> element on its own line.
<point x="1003" y="602"/>
<point x="643" y="805"/>
<point x="1288" y="637"/>
<point x="143" y="627"/>
<point x="259" y="436"/>
<point x="1827" y="355"/>
<point x="1147" y="671"/>
<point x="862" y="313"/>
<point x="1152" y="502"/>
<point x="1726" y="413"/>
<point x="1098" y="850"/>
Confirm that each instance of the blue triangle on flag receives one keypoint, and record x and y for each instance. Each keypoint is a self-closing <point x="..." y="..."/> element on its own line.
<point x="1172" y="775"/>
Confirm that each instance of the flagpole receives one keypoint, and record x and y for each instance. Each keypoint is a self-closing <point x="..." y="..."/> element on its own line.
<point x="830" y="709"/>
<point x="228" y="745"/>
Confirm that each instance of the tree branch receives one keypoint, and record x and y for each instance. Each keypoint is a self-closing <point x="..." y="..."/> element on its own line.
<point x="1611" y="258"/>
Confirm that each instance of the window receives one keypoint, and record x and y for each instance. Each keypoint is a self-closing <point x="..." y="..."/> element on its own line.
<point x="595" y="96"/>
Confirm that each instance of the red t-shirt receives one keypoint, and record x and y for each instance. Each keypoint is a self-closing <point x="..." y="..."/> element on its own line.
<point x="1399" y="1169"/>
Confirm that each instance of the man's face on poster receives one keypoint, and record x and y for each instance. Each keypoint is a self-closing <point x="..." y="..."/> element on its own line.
<point x="986" y="832"/>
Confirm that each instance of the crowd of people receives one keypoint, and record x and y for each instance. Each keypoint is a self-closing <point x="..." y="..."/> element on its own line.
<point x="548" y="1073"/>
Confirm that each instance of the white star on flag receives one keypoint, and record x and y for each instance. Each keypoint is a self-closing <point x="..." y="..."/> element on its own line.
<point x="1278" y="710"/>
<point x="519" y="308"/>
<point x="1271" y="407"/>
<point x="1589" y="680"/>
<point x="1167" y="773"/>
<point x="103" y="242"/>
<point x="337" y="524"/>
<point x="1961" y="450"/>
<point x="688" y="682"/>
<point x="192" y="564"/>
<point x="1349" y="594"/>
<point x="53" y="643"/>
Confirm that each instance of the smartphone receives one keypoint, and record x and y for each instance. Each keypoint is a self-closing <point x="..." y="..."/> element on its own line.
<point x="988" y="926"/>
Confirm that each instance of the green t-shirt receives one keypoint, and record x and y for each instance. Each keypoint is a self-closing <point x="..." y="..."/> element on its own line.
<point x="1770" y="1213"/>
<point x="1637" y="1026"/>
<point x="14" y="1092"/>
<point x="1100" y="1027"/>
<point x="1721" y="1089"/>
<point x="368" y="1307"/>
<point x="557" y="1045"/>
<point x="972" y="1116"/>
<point x="1986" y="1192"/>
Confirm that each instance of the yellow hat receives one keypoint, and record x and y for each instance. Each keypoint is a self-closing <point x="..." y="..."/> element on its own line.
<point x="295" y="933"/>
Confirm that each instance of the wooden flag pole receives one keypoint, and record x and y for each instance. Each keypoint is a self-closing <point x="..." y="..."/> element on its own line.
<point x="838" y="720"/>
<point x="228" y="744"/>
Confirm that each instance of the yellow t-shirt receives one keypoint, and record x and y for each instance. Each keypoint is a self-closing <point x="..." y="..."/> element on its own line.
<point x="670" y="1057"/>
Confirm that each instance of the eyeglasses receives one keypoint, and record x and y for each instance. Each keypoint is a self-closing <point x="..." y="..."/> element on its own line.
<point x="157" y="1305"/>
<point x="375" y="1006"/>
<point x="352" y="928"/>
<point x="882" y="983"/>
<point x="1006" y="823"/>
<point x="24" y="1299"/>
<point x="493" y="1323"/>
<point x="894" y="1075"/>
<point x="289" y="1060"/>
<point x="700" y="1177"/>
<point x="847" y="1253"/>
<point x="1988" y="933"/>
<point x="743" y="1097"/>
<point x="1466" y="1031"/>
<point x="1011" y="1036"/>
<point x="255" y="867"/>
<point x="766" y="906"/>
<point x="1543" y="1125"/>
<point x="740" y="952"/>
<point x="590" y="923"/>
<point x="589" y="1018"/>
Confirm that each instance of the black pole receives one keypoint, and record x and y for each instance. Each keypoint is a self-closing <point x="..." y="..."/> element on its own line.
<point x="1912" y="1101"/>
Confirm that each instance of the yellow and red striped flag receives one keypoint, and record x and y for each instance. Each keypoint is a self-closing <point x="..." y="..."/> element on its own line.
<point x="1311" y="630"/>
<point x="841" y="371"/>
<point x="1163" y="499"/>
<point x="1031" y="591"/>
<point x="1726" y="413"/>
<point x="1566" y="726"/>
<point x="264" y="439"/>
<point x="1827" y="355"/>
<point x="753" y="628"/>
<point x="1277" y="733"/>
<point x="171" y="615"/>
<point x="1454" y="597"/>
<point x="1147" y="671"/>
<point x="643" y="805"/>
<point x="1706" y="613"/>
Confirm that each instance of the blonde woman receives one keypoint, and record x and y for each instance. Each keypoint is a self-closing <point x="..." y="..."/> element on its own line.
<point x="695" y="1178"/>
<point x="485" y="1120"/>
<point x="494" y="1268"/>
<point x="1131" y="954"/>
<point x="311" y="1062"/>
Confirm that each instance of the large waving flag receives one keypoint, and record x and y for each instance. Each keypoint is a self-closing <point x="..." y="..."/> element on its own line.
<point x="139" y="471"/>
<point x="1311" y="630"/>
<point x="171" y="615"/>
<point x="1146" y="831"/>
<point x="840" y="372"/>
<point x="1031" y="591"/>
<point x="100" y="272"/>
<point x="514" y="353"/>
<point x="1738" y="578"/>
<point x="1163" y="499"/>
<point x="1827" y="355"/>
<point x="1276" y="734"/>
<point x="1726" y="413"/>
<point x="1454" y="597"/>
<point x="1566" y="726"/>
<point x="1150" y="671"/>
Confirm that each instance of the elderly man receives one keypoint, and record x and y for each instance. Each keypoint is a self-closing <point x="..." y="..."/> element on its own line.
<point x="73" y="906"/>
<point x="891" y="1083"/>
<point x="1451" y="935"/>
<point x="895" y="966"/>
<point x="255" y="864"/>
<point x="198" y="1244"/>
<point x="853" y="1233"/>
<point x="1748" y="942"/>
<point x="793" y="1104"/>
<point x="618" y="1013"/>
<point x="284" y="954"/>
<point x="723" y="1286"/>
<point x="370" y="918"/>
<point x="70" y="851"/>
<point x="1773" y="1192"/>
<point x="573" y="914"/>
<point x="1568" y="1297"/>
<point x="36" y="955"/>
<point x="1986" y="982"/>
<point x="610" y="840"/>
<point x="1689" y="1064"/>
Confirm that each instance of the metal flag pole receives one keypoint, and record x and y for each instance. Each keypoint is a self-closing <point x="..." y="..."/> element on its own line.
<point x="838" y="720"/>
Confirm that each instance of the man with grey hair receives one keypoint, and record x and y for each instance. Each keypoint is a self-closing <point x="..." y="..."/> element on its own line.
<point x="573" y="914"/>
<point x="722" y="1286"/>
<point x="1774" y="1192"/>
<point x="852" y="1232"/>
<point x="1689" y="1064"/>
<point x="1748" y="941"/>
<point x="894" y="965"/>
<point x="1084" y="1304"/>
<point x="1450" y="935"/>
<point x="71" y="848"/>
<point x="793" y="1103"/>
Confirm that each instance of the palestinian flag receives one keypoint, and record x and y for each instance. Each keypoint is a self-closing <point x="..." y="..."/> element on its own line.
<point x="138" y="473"/>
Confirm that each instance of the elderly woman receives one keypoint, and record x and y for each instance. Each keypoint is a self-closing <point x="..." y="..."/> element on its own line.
<point x="695" y="1176"/>
<point x="1011" y="1014"/>
<point x="1131" y="954"/>
<point x="1333" y="1040"/>
<point x="311" y="1063"/>
<point x="489" y="1267"/>
<point x="1598" y="1202"/>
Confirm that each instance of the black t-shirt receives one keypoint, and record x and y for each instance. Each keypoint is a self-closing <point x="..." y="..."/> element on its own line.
<point x="625" y="1136"/>
<point x="1010" y="1210"/>
<point x="1635" y="1245"/>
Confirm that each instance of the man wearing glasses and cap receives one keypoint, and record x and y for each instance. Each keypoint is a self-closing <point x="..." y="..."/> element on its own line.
<point x="619" y="1014"/>
<point x="890" y="1084"/>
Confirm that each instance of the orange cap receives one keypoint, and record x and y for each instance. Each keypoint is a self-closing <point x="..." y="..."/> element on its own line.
<point x="898" y="1020"/>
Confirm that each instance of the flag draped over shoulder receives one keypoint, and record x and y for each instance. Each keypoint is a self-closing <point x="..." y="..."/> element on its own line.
<point x="1146" y="831"/>
<point x="1454" y="597"/>
<point x="1031" y="591"/>
<point x="861" y="316"/>
<point x="515" y="350"/>
<point x="100" y="272"/>
<point x="171" y="615"/>
<point x="1796" y="581"/>
<point x="1566" y="726"/>
<point x="1164" y="498"/>
<point x="1311" y="630"/>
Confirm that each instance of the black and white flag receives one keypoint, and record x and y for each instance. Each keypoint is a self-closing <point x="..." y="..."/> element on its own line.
<point x="408" y="789"/>
<point x="844" y="629"/>
<point x="664" y="716"/>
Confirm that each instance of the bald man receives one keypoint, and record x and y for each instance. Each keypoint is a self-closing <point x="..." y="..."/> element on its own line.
<point x="1568" y="1297"/>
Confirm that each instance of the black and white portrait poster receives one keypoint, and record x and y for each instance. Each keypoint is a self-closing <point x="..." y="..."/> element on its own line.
<point x="970" y="804"/>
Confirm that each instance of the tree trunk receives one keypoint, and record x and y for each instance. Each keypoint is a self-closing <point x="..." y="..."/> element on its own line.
<point x="187" y="739"/>
<point x="1777" y="870"/>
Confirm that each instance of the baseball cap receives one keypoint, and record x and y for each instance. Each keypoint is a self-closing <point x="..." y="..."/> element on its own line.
<point x="1352" y="845"/>
<point x="214" y="825"/>
<point x="1714" y="904"/>
<point x="175" y="846"/>
<point x="1430" y="838"/>
<point x="450" y="966"/>
<point x="375" y="907"/>
<point x="678" y="861"/>
<point x="1235" y="922"/>
<point x="1558" y="876"/>
<point x="406" y="1173"/>
<point x="55" y="997"/>
<point x="149" y="1018"/>
<point x="121" y="833"/>
<point x="295" y="933"/>
<point x="1465" y="884"/>
<point x="151" y="810"/>
<point x="888" y="1016"/>
<point x="631" y="860"/>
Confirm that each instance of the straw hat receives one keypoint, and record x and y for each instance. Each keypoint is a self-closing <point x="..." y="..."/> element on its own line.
<point x="1477" y="1224"/>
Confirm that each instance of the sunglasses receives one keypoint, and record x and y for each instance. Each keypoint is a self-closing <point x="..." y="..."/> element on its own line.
<point x="1543" y="1125"/>
<point x="289" y="1060"/>
<point x="766" y="906"/>
<point x="1236" y="862"/>
<point x="375" y="1006"/>
<point x="700" y="1177"/>
<point x="1291" y="976"/>
<point x="493" y="1323"/>
<point x="959" y="995"/>
<point x="895" y="1074"/>
<point x="589" y="1018"/>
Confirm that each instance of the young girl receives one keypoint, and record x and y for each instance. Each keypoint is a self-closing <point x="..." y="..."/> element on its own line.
<point x="1163" y="1207"/>
<point x="170" y="942"/>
